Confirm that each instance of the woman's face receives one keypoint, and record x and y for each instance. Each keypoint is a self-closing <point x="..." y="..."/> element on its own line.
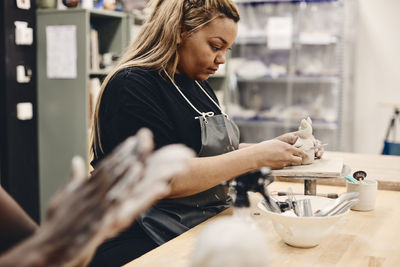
<point x="202" y="52"/>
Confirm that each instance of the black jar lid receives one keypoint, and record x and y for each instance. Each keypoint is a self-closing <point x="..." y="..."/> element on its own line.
<point x="359" y="175"/>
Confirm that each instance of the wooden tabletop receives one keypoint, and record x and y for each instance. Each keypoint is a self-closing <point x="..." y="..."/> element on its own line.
<point x="385" y="169"/>
<point x="359" y="239"/>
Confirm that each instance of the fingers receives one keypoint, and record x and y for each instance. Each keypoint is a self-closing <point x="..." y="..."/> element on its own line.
<point x="122" y="215"/>
<point x="133" y="150"/>
<point x="293" y="137"/>
<point x="167" y="162"/>
<point x="319" y="151"/>
<point x="296" y="160"/>
<point x="298" y="152"/>
<point x="128" y="181"/>
<point x="296" y="156"/>
<point x="145" y="137"/>
<point x="289" y="138"/>
<point x="122" y="151"/>
<point x="137" y="147"/>
<point x="78" y="173"/>
<point x="78" y="170"/>
<point x="145" y="182"/>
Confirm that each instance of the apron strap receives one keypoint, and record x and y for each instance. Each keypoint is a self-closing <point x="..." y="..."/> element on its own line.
<point x="202" y="114"/>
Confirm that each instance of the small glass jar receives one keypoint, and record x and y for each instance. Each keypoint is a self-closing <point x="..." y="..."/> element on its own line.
<point x="47" y="3"/>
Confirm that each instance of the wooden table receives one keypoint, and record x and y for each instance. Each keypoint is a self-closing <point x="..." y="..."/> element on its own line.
<point x="385" y="169"/>
<point x="360" y="238"/>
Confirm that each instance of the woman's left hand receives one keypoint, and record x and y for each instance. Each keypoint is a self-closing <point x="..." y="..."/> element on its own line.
<point x="319" y="150"/>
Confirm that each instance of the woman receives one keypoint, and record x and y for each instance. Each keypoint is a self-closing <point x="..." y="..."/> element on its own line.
<point x="160" y="83"/>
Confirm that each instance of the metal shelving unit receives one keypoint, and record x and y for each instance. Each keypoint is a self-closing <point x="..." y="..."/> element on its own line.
<point x="294" y="79"/>
<point x="309" y="81"/>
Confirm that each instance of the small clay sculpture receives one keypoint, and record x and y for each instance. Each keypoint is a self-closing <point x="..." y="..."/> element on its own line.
<point x="305" y="141"/>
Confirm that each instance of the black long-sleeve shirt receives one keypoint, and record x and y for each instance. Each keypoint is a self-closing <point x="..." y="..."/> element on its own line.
<point x="137" y="97"/>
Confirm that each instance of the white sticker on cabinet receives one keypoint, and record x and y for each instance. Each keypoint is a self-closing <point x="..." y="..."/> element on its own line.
<point x="61" y="52"/>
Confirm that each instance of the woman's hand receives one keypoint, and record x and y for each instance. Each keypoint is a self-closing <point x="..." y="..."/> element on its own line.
<point x="319" y="150"/>
<point x="276" y="154"/>
<point x="292" y="137"/>
<point x="289" y="138"/>
<point x="89" y="210"/>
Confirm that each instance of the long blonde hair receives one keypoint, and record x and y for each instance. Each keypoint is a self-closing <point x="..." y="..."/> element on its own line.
<point x="156" y="45"/>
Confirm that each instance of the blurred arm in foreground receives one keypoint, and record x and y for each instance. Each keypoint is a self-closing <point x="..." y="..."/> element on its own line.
<point x="88" y="211"/>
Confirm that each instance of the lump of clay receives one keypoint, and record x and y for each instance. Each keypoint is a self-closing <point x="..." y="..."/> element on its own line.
<point x="305" y="141"/>
<point x="230" y="242"/>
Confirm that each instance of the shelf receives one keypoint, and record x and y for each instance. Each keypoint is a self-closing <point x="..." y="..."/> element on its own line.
<point x="255" y="40"/>
<point x="98" y="72"/>
<point x="321" y="125"/>
<point x="302" y="40"/>
<point x="295" y="79"/>
<point x="96" y="13"/>
<point x="218" y="76"/>
<point x="275" y="2"/>
<point x="316" y="39"/>
<point x="44" y="11"/>
<point x="99" y="13"/>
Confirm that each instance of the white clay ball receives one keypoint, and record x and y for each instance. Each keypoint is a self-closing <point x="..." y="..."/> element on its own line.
<point x="230" y="242"/>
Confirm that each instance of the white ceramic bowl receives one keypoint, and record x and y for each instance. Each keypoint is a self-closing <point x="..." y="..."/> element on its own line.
<point x="304" y="232"/>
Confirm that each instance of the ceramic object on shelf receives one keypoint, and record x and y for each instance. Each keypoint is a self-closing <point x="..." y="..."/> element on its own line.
<point x="70" y="3"/>
<point x="109" y="4"/>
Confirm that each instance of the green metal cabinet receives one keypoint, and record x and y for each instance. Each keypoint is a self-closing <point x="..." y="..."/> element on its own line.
<point x="63" y="104"/>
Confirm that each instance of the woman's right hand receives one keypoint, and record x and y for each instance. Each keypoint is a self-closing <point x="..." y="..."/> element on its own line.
<point x="276" y="154"/>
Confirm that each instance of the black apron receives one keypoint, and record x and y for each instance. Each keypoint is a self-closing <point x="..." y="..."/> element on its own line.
<point x="171" y="217"/>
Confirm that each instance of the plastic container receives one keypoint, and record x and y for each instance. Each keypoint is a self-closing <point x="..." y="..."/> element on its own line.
<point x="367" y="189"/>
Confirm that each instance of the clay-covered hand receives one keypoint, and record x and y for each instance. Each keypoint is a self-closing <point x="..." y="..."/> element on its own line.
<point x="89" y="210"/>
<point x="292" y="137"/>
<point x="276" y="154"/>
<point x="289" y="138"/>
<point x="319" y="149"/>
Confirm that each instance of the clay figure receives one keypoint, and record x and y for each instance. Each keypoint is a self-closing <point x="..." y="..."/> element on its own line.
<point x="305" y="141"/>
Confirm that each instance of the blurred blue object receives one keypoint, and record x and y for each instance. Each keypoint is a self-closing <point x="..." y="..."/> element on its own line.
<point x="392" y="148"/>
<point x="98" y="4"/>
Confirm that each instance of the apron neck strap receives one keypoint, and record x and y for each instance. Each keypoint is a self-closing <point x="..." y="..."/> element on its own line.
<point x="202" y="114"/>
